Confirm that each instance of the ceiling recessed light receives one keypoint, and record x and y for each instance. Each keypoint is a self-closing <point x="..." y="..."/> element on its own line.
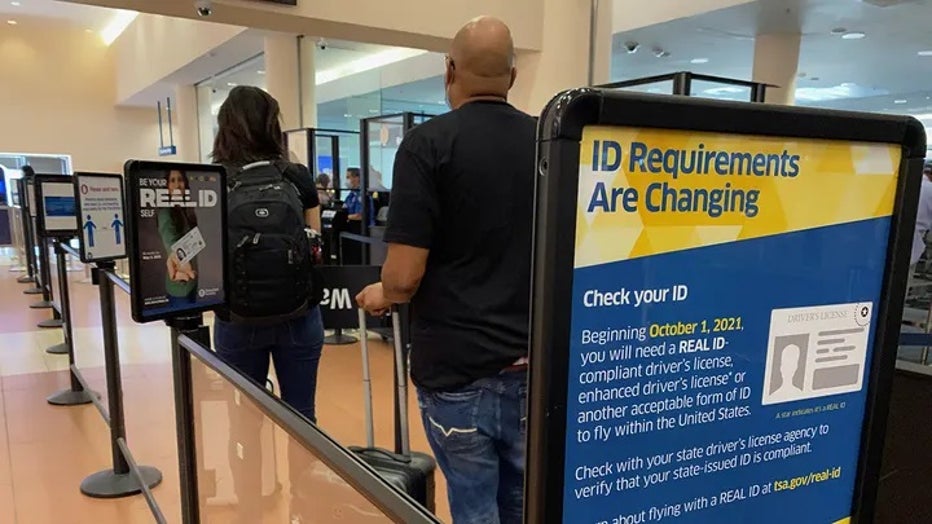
<point x="854" y="35"/>
<point x="900" y="101"/>
<point x="260" y="72"/>
<point x="11" y="22"/>
<point x="88" y="30"/>
<point x="699" y="61"/>
<point x="925" y="53"/>
<point x="15" y="4"/>
<point x="814" y="79"/>
<point x="839" y="31"/>
<point x="231" y="84"/>
<point x="347" y="115"/>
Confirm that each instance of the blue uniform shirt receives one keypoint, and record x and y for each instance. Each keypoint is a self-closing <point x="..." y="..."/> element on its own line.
<point x="353" y="206"/>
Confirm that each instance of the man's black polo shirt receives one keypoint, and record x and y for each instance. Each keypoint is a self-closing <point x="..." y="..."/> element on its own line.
<point x="464" y="189"/>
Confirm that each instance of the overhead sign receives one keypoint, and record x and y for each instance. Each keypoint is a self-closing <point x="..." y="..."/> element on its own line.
<point x="718" y="315"/>
<point x="177" y="238"/>
<point x="101" y="216"/>
<point x="56" y="211"/>
<point x="168" y="150"/>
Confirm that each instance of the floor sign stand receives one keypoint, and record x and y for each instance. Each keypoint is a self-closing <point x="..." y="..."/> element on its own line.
<point x="717" y="295"/>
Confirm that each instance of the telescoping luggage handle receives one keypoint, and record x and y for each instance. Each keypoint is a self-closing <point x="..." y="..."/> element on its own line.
<point x="401" y="377"/>
<point x="366" y="379"/>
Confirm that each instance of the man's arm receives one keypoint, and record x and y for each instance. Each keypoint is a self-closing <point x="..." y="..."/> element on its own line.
<point x="402" y="272"/>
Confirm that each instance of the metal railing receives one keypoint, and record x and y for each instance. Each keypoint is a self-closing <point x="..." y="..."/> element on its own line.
<point x="397" y="506"/>
<point x="190" y="339"/>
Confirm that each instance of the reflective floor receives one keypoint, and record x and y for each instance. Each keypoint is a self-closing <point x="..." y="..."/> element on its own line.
<point x="46" y="451"/>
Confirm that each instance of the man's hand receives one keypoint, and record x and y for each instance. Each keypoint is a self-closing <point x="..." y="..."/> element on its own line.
<point x="373" y="300"/>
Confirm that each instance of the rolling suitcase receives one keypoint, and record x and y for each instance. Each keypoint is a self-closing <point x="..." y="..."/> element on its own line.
<point x="410" y="472"/>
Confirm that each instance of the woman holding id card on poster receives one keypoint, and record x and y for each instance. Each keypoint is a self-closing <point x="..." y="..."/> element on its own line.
<point x="177" y="226"/>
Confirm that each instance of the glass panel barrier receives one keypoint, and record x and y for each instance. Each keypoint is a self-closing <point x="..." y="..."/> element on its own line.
<point x="261" y="462"/>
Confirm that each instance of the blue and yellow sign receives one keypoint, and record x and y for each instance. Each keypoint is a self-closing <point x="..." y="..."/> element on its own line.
<point x="723" y="315"/>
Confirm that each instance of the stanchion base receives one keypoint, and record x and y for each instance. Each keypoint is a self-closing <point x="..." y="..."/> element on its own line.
<point x="340" y="340"/>
<point x="33" y="291"/>
<point x="51" y="323"/>
<point x="72" y="398"/>
<point x="25" y="280"/>
<point x="42" y="304"/>
<point x="109" y="485"/>
<point x="57" y="349"/>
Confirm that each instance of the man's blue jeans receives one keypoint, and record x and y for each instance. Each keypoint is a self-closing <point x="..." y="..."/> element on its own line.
<point x="477" y="435"/>
<point x="295" y="347"/>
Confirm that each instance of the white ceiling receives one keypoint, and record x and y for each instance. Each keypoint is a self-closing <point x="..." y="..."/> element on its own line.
<point x="866" y="74"/>
<point x="87" y="16"/>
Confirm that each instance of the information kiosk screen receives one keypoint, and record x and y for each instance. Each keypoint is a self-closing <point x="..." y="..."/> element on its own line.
<point x="721" y="306"/>
<point x="177" y="238"/>
<point x="57" y="215"/>
<point x="101" y="216"/>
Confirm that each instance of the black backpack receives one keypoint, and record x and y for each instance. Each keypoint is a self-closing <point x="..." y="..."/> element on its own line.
<point x="272" y="273"/>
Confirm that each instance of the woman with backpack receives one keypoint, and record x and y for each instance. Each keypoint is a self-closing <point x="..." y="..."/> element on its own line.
<point x="272" y="209"/>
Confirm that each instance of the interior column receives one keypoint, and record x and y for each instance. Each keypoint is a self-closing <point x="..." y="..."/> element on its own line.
<point x="185" y="123"/>
<point x="282" y="77"/>
<point x="308" y="72"/>
<point x="563" y="61"/>
<point x="776" y="62"/>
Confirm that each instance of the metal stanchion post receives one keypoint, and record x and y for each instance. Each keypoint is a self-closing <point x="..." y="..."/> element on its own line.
<point x="75" y="395"/>
<point x="30" y="252"/>
<point x="43" y="278"/>
<point x="338" y="338"/>
<point x="120" y="480"/>
<point x="16" y="232"/>
<point x="64" y="303"/>
<point x="48" y="294"/>
<point x="193" y="327"/>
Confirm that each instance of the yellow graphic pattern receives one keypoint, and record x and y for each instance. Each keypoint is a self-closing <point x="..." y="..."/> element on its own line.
<point x="838" y="182"/>
<point x="846" y="520"/>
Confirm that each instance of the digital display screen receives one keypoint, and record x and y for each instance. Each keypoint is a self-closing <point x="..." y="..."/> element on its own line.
<point x="59" y="206"/>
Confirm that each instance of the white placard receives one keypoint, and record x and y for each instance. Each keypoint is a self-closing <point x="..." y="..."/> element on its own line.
<point x="103" y="230"/>
<point x="58" y="207"/>
<point x="31" y="198"/>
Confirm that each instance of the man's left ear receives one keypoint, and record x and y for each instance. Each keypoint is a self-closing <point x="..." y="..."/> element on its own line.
<point x="514" y="75"/>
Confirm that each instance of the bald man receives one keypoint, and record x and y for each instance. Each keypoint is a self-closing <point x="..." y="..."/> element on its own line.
<point x="459" y="250"/>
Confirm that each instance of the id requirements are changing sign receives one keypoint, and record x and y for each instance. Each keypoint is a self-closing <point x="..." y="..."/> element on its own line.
<point x="723" y="308"/>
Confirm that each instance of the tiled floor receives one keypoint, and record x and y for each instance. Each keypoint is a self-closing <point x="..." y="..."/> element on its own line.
<point x="46" y="451"/>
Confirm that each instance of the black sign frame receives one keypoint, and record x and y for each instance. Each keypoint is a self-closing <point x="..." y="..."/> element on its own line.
<point x="131" y="170"/>
<point x="78" y="176"/>
<point x="559" y="136"/>
<point x="42" y="228"/>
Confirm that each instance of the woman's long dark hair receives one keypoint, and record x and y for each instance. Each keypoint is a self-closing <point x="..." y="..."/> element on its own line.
<point x="184" y="219"/>
<point x="249" y="128"/>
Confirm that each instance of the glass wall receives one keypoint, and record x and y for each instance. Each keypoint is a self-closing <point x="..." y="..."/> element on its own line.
<point x="213" y="91"/>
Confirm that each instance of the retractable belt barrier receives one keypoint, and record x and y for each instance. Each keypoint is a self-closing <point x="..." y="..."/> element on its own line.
<point x="125" y="477"/>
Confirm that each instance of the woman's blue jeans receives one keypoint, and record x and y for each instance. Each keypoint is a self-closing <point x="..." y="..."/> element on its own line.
<point x="294" y="346"/>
